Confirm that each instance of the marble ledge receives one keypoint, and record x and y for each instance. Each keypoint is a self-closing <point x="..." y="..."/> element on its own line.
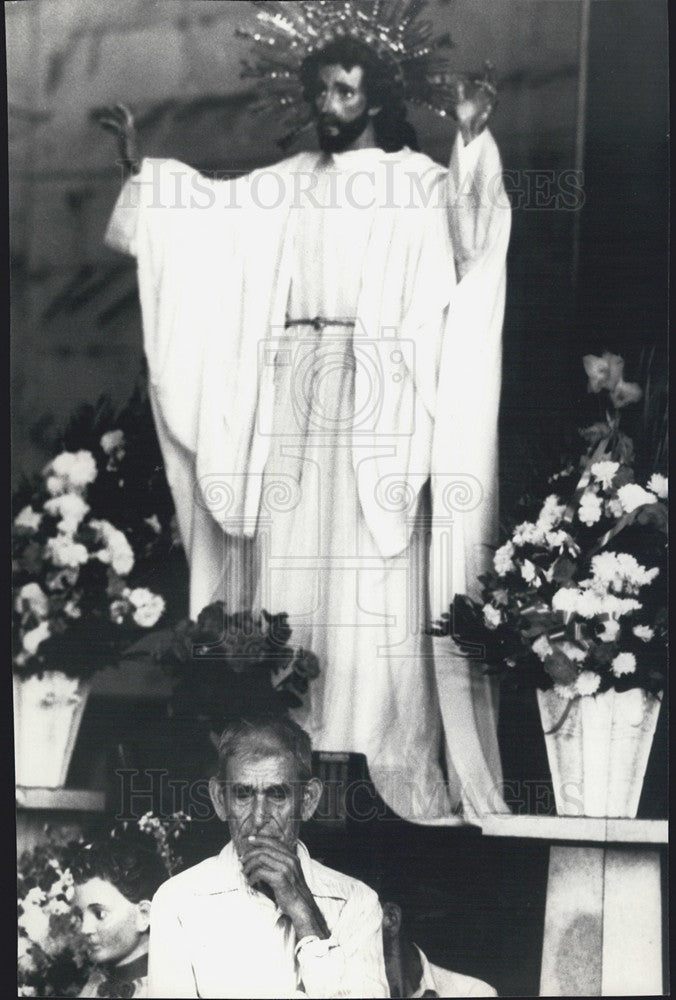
<point x="588" y="829"/>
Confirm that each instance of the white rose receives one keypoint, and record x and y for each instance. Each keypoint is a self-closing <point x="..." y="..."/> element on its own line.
<point x="35" y="637"/>
<point x="659" y="485"/>
<point x="590" y="509"/>
<point x="28" y="519"/>
<point x="502" y="560"/>
<point x="604" y="473"/>
<point x="633" y="496"/>
<point x="32" y="598"/>
<point x="148" y="614"/>
<point x="624" y="663"/>
<point x="643" y="632"/>
<point x="587" y="682"/>
<point x="542" y="647"/>
<point x="139" y="596"/>
<point x="121" y="555"/>
<point x="72" y="610"/>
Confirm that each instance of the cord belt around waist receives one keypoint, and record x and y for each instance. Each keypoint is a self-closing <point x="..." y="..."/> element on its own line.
<point x="318" y="322"/>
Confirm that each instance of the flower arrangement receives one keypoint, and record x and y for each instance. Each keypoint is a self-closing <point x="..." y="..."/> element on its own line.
<point x="225" y="664"/>
<point x="52" y="957"/>
<point x="577" y="599"/>
<point x="92" y="538"/>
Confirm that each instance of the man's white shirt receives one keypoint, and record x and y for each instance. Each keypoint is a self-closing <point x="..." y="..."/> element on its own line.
<point x="213" y="935"/>
<point x="449" y="984"/>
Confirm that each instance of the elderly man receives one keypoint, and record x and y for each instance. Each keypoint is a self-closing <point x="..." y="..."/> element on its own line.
<point x="262" y="919"/>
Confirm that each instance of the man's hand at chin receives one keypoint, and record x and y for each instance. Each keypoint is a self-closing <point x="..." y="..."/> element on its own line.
<point x="271" y="861"/>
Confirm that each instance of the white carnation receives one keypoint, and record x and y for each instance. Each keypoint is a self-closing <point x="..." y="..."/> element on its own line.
<point x="565" y="600"/>
<point x="502" y="560"/>
<point x="624" y="663"/>
<point x="633" y="496"/>
<point x="588" y="604"/>
<point x="32" y="598"/>
<point x="528" y="571"/>
<point x="590" y="509"/>
<point x="643" y="632"/>
<point x="659" y="485"/>
<point x="542" y="647"/>
<point x="613" y="508"/>
<point x="118" y="552"/>
<point x="556" y="539"/>
<point x="587" y="682"/>
<point x="63" y="551"/>
<point x="35" y="922"/>
<point x="74" y="471"/>
<point x="112" y="441"/>
<point x="71" y="508"/>
<point x="492" y="616"/>
<point x="551" y="514"/>
<point x="604" y="473"/>
<point x="611" y="630"/>
<point x="573" y="652"/>
<point x="36" y="636"/>
<point x="148" y="614"/>
<point x="28" y="519"/>
<point x="566" y="691"/>
<point x="528" y="533"/>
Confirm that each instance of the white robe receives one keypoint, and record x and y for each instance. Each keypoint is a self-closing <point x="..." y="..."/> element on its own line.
<point x="312" y="469"/>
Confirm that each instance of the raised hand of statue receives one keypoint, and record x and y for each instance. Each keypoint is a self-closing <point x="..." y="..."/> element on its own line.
<point x="120" y="120"/>
<point x="472" y="100"/>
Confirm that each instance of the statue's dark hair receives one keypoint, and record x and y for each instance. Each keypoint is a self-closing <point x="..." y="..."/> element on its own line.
<point x="128" y="861"/>
<point x="269" y="732"/>
<point x="383" y="88"/>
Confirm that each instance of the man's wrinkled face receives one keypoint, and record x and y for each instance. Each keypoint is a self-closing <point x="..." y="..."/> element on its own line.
<point x="262" y="795"/>
<point x="114" y="928"/>
<point x="341" y="107"/>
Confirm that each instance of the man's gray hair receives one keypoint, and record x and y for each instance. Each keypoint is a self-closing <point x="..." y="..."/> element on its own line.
<point x="268" y="733"/>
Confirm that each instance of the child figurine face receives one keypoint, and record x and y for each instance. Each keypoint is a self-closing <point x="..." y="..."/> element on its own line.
<point x="115" y="929"/>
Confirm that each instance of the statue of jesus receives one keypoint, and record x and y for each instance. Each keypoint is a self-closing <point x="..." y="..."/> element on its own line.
<point x="324" y="350"/>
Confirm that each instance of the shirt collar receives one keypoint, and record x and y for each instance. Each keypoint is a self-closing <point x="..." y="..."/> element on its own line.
<point x="426" y="979"/>
<point x="321" y="881"/>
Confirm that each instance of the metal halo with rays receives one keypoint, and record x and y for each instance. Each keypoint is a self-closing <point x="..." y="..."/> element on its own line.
<point x="289" y="30"/>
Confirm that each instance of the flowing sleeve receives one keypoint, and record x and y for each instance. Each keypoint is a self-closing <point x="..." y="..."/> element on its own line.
<point x="464" y="459"/>
<point x="465" y="442"/>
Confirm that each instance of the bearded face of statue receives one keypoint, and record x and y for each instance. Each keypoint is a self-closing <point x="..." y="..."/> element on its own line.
<point x="344" y="119"/>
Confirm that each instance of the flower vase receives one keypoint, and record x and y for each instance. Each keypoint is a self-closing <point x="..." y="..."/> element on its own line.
<point x="47" y="714"/>
<point x="598" y="748"/>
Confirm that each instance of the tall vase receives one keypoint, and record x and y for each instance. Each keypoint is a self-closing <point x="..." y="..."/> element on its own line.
<point x="47" y="715"/>
<point x="598" y="748"/>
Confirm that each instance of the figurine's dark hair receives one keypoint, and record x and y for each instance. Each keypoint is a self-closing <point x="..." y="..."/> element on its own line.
<point x="128" y="860"/>
<point x="270" y="732"/>
<point x="383" y="88"/>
